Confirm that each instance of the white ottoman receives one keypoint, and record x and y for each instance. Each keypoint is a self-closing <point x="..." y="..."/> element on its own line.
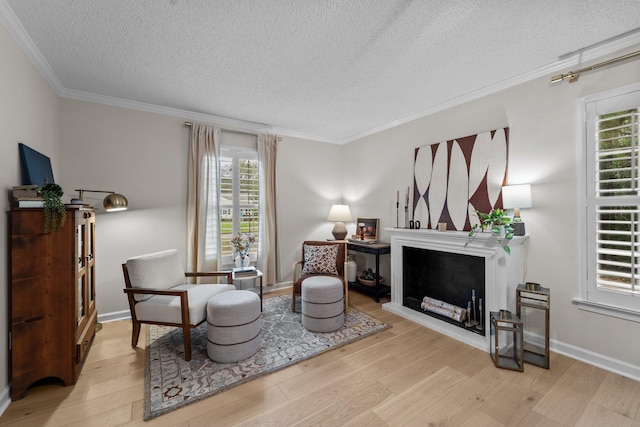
<point x="233" y="326"/>
<point x="322" y="303"/>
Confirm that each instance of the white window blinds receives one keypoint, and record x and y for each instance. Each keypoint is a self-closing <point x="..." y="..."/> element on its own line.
<point x="613" y="200"/>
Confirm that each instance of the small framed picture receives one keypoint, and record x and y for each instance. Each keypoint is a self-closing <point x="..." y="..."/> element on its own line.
<point x="370" y="228"/>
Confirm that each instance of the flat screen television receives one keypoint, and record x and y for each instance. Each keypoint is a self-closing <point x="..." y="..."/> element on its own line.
<point x="36" y="167"/>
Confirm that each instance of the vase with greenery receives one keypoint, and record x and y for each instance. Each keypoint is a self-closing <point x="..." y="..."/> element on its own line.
<point x="55" y="213"/>
<point x="498" y="222"/>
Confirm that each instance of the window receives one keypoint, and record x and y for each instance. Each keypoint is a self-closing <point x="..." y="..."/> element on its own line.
<point x="239" y="197"/>
<point x="612" y="196"/>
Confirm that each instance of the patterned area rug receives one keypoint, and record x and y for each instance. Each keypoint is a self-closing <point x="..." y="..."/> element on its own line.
<point x="171" y="383"/>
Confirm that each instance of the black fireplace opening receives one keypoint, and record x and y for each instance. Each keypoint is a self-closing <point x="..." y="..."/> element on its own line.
<point x="448" y="277"/>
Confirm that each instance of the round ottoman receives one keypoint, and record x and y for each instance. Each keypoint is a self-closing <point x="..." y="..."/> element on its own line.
<point x="322" y="303"/>
<point x="233" y="326"/>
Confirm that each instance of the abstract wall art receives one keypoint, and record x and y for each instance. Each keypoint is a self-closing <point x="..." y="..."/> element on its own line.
<point x="454" y="178"/>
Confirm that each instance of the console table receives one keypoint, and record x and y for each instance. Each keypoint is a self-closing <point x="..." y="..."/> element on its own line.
<point x="376" y="249"/>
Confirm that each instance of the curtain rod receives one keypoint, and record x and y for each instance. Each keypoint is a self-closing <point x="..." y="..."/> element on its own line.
<point x="572" y="76"/>
<point x="189" y="124"/>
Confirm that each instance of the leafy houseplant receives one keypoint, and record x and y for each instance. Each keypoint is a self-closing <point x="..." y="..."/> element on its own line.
<point x="55" y="214"/>
<point x="494" y="221"/>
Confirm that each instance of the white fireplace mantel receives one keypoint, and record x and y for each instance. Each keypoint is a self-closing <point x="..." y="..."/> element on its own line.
<point x="503" y="273"/>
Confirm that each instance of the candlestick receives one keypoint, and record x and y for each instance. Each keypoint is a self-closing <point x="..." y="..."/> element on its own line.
<point x="398" y="213"/>
<point x="398" y="197"/>
<point x="468" y="323"/>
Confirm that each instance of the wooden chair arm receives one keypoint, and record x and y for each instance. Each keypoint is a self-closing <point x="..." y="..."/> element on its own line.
<point x="295" y="270"/>
<point x="151" y="291"/>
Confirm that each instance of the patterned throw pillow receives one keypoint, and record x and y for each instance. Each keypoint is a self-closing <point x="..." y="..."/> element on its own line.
<point x="320" y="259"/>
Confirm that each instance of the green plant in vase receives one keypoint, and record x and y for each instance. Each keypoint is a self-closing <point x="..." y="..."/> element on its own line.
<point x="55" y="214"/>
<point x="498" y="222"/>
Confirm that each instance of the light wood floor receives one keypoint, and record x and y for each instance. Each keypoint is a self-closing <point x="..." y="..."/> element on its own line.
<point x="406" y="375"/>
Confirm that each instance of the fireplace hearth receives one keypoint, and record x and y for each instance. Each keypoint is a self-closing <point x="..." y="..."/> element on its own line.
<point x="447" y="266"/>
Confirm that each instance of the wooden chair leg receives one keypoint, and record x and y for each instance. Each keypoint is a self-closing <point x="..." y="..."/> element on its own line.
<point x="135" y="333"/>
<point x="293" y="302"/>
<point x="186" y="332"/>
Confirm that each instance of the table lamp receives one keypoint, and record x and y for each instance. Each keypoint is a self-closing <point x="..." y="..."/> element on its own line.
<point x="339" y="214"/>
<point x="517" y="197"/>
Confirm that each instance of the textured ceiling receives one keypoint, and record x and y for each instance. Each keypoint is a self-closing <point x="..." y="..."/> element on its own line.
<point x="327" y="70"/>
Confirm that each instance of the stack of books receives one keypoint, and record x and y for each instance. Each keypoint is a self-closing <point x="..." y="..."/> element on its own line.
<point x="245" y="272"/>
<point x="26" y="196"/>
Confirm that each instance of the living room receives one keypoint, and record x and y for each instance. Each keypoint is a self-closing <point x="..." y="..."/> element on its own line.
<point x="143" y="154"/>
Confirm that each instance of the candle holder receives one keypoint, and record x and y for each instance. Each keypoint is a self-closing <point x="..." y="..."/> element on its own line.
<point x="406" y="216"/>
<point x="470" y="323"/>
<point x="397" y="214"/>
<point x="480" y="325"/>
<point x="506" y="340"/>
<point x="533" y="303"/>
<point x="362" y="226"/>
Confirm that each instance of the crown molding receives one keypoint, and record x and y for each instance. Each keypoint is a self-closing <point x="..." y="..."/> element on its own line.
<point x="17" y="31"/>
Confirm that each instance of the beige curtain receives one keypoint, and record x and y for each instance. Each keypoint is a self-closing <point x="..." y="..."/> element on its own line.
<point x="267" y="248"/>
<point x="203" y="253"/>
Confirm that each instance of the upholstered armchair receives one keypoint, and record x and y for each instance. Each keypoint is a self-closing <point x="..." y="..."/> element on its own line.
<point x="158" y="292"/>
<point x="320" y="258"/>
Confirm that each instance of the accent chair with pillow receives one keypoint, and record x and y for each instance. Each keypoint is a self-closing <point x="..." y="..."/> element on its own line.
<point x="158" y="293"/>
<point x="320" y="258"/>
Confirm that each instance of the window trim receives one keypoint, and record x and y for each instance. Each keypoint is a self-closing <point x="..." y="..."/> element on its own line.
<point x="584" y="301"/>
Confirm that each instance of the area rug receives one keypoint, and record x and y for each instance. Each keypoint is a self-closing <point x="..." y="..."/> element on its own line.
<point x="171" y="382"/>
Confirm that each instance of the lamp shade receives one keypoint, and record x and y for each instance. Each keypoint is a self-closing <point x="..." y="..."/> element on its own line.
<point x="339" y="213"/>
<point x="115" y="202"/>
<point x="516" y="196"/>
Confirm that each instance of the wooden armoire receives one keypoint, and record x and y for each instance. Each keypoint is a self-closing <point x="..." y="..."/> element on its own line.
<point x="52" y="298"/>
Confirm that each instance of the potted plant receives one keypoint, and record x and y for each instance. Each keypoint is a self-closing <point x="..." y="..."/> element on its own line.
<point x="498" y="222"/>
<point x="55" y="214"/>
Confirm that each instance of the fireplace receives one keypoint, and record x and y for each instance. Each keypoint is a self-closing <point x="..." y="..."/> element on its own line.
<point x="451" y="278"/>
<point x="448" y="266"/>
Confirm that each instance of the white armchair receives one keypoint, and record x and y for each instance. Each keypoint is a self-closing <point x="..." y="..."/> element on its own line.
<point x="158" y="292"/>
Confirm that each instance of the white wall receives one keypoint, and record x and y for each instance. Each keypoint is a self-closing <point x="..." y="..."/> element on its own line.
<point x="543" y="152"/>
<point x="144" y="156"/>
<point x="29" y="113"/>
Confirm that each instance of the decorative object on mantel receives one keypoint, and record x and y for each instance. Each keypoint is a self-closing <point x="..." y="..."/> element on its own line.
<point x="506" y="340"/>
<point x="55" y="213"/>
<point x="171" y="383"/>
<point x="241" y="245"/>
<point x="339" y="214"/>
<point x="517" y="197"/>
<point x="533" y="304"/>
<point x="456" y="177"/>
<point x="498" y="222"/>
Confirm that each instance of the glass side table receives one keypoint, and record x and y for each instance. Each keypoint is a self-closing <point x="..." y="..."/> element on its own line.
<point x="239" y="279"/>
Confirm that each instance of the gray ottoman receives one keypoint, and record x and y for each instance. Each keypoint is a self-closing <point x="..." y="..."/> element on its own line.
<point x="233" y="326"/>
<point x="322" y="304"/>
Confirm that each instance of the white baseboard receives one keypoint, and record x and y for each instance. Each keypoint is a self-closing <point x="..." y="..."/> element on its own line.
<point x="5" y="399"/>
<point x="601" y="361"/>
